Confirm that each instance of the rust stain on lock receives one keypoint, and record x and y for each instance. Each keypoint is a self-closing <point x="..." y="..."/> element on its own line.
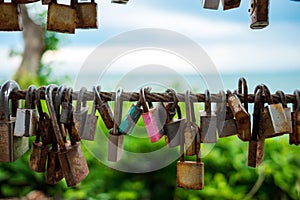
<point x="38" y="157"/>
<point x="256" y="153"/>
<point x="190" y="175"/>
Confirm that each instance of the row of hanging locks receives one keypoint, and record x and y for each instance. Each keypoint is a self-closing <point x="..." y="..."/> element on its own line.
<point x="59" y="129"/>
<point x="67" y="18"/>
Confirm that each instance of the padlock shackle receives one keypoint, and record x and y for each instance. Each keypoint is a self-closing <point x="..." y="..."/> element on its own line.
<point x="207" y="102"/>
<point x="257" y="114"/>
<point x="282" y="97"/>
<point x="118" y="111"/>
<point x="51" y="109"/>
<point x="188" y="107"/>
<point x="143" y="100"/>
<point x="175" y="100"/>
<point x="80" y="99"/>
<point x="38" y="101"/>
<point x="267" y="94"/>
<point x="30" y="98"/>
<point x="296" y="105"/>
<point x="5" y="92"/>
<point x="243" y="90"/>
<point x="58" y="100"/>
<point x="93" y="112"/>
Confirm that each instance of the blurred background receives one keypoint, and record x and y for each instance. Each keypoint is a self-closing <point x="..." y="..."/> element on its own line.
<point x="269" y="56"/>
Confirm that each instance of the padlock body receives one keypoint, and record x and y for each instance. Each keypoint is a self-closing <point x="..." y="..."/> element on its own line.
<point x="173" y="130"/>
<point x="106" y="115"/>
<point x="130" y="120"/>
<point x="229" y="128"/>
<point x="211" y="4"/>
<point x="87" y="15"/>
<point x="73" y="164"/>
<point x="208" y="127"/>
<point x="190" y="134"/>
<point x="80" y="119"/>
<point x="65" y="112"/>
<point x="288" y="115"/>
<point x="230" y="4"/>
<point x="26" y="122"/>
<point x="295" y="134"/>
<point x="61" y="18"/>
<point x="244" y="134"/>
<point x="115" y="147"/>
<point x="255" y="152"/>
<point x="190" y="175"/>
<point x="274" y="121"/>
<point x="154" y="121"/>
<point x="38" y="157"/>
<point x="89" y="128"/>
<point x="54" y="172"/>
<point x="11" y="147"/>
<point x="10" y="17"/>
<point x="259" y="13"/>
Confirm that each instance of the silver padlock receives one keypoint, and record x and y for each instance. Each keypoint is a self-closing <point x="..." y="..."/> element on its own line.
<point x="27" y="118"/>
<point x="81" y="111"/>
<point x="208" y="122"/>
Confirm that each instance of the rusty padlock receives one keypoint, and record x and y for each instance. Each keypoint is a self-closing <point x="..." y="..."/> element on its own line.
<point x="259" y="13"/>
<point x="39" y="149"/>
<point x="120" y="1"/>
<point x="226" y="127"/>
<point x="81" y="111"/>
<point x="61" y="18"/>
<point x="208" y="122"/>
<point x="286" y="109"/>
<point x="10" y="17"/>
<point x="274" y="121"/>
<point x="244" y="130"/>
<point x="27" y="117"/>
<point x="66" y="107"/>
<point x="11" y="147"/>
<point x="153" y="117"/>
<point x="230" y="4"/>
<point x="173" y="128"/>
<point x="116" y="140"/>
<point x="90" y="123"/>
<point x="257" y="142"/>
<point x="190" y="174"/>
<point x="87" y="14"/>
<point x="104" y="110"/>
<point x="191" y="130"/>
<point x="294" y="137"/>
<point x="71" y="158"/>
<point x="242" y="117"/>
<point x="131" y="118"/>
<point x="211" y="4"/>
<point x="57" y="104"/>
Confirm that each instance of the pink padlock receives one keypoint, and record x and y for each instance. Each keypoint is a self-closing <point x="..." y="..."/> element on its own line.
<point x="154" y="118"/>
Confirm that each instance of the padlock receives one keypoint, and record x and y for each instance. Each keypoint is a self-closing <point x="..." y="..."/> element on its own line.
<point x="71" y="158"/>
<point x="294" y="136"/>
<point x="10" y="17"/>
<point x="286" y="109"/>
<point x="226" y="124"/>
<point x="230" y="4"/>
<point x="90" y="124"/>
<point x="274" y="121"/>
<point x="120" y="1"/>
<point x="66" y="107"/>
<point x="25" y="1"/>
<point x="81" y="111"/>
<point x="57" y="104"/>
<point x="116" y="140"/>
<point x="208" y="122"/>
<point x="104" y="110"/>
<point x="54" y="173"/>
<point x="39" y="150"/>
<point x="154" y="118"/>
<point x="61" y="18"/>
<point x="173" y="128"/>
<point x="11" y="147"/>
<point x="27" y="118"/>
<point x="244" y="131"/>
<point x="191" y="130"/>
<point x="87" y="14"/>
<point x="190" y="174"/>
<point x="256" y="144"/>
<point x="130" y="119"/>
<point x="242" y="117"/>
<point x="259" y="13"/>
<point x="211" y="4"/>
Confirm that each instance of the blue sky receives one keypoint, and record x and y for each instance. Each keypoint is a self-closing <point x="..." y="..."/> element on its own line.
<point x="224" y="35"/>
